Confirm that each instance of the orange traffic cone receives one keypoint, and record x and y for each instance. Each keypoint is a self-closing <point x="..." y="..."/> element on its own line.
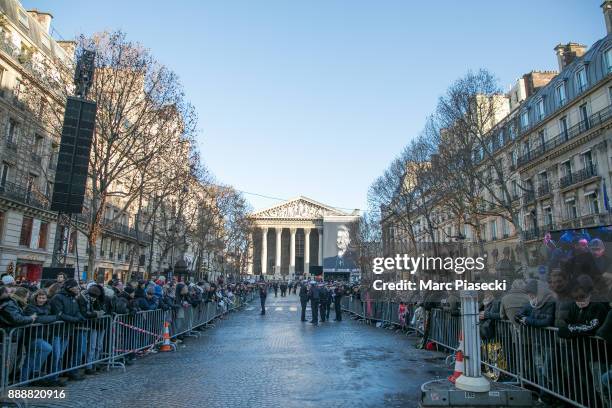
<point x="458" y="361"/>
<point x="167" y="346"/>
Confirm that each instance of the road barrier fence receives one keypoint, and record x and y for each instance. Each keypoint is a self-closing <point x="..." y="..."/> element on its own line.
<point x="46" y="351"/>
<point x="574" y="370"/>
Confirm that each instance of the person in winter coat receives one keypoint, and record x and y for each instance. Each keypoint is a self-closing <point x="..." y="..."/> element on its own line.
<point x="540" y="311"/>
<point x="489" y="315"/>
<point x="148" y="301"/>
<point x="65" y="306"/>
<point x="39" y="347"/>
<point x="584" y="318"/>
<point x="513" y="301"/>
<point x="11" y="315"/>
<point x="559" y="284"/>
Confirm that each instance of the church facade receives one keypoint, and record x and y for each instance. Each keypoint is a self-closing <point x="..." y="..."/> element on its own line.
<point x="288" y="238"/>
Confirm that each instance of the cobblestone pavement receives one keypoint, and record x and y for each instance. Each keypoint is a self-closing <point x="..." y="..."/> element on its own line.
<point x="275" y="360"/>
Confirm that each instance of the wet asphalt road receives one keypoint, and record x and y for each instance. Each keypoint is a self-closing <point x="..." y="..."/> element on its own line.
<point x="275" y="360"/>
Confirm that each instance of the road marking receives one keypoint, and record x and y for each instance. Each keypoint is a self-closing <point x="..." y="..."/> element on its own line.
<point x="293" y="309"/>
<point x="278" y="309"/>
<point x="250" y="308"/>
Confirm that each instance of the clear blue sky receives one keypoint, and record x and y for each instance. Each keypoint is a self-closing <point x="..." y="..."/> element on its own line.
<point x="315" y="98"/>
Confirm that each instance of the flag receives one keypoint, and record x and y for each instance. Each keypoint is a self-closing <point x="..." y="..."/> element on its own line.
<point x="605" y="196"/>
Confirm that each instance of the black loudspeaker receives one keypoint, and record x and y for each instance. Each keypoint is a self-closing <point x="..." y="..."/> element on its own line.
<point x="316" y="270"/>
<point x="49" y="273"/>
<point x="73" y="159"/>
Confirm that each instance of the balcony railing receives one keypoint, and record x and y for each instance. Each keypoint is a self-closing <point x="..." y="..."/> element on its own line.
<point x="117" y="228"/>
<point x="579" y="128"/>
<point x="591" y="220"/>
<point x="543" y="189"/>
<point x="25" y="195"/>
<point x="531" y="234"/>
<point x="528" y="196"/>
<point x="579" y="176"/>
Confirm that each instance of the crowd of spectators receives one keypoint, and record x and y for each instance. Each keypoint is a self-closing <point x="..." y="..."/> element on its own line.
<point x="44" y="350"/>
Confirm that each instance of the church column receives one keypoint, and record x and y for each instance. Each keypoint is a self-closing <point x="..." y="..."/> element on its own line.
<point x="320" y="232"/>
<point x="306" y="250"/>
<point x="250" y="255"/>
<point x="264" y="251"/>
<point x="292" y="253"/>
<point x="279" y="234"/>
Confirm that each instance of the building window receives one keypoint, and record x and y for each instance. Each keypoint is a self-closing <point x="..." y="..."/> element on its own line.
<point x="563" y="127"/>
<point x="1" y="224"/>
<point x="542" y="137"/>
<point x="524" y="119"/>
<point x="4" y="175"/>
<point x="17" y="89"/>
<point x="11" y="131"/>
<point x="581" y="80"/>
<point x="38" y="144"/>
<point x="23" y="18"/>
<point x="505" y="228"/>
<point x="566" y="168"/>
<point x="540" y="109"/>
<point x="608" y="60"/>
<point x="72" y="242"/>
<point x="587" y="160"/>
<point x="548" y="217"/>
<point x="571" y="209"/>
<point x="26" y="231"/>
<point x="592" y="202"/>
<point x="42" y="235"/>
<point x="584" y="116"/>
<point x="493" y="228"/>
<point x="45" y="41"/>
<point x="561" y="97"/>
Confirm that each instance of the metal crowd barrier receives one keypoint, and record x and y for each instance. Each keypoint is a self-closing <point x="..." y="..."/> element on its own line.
<point x="577" y="371"/>
<point x="44" y="351"/>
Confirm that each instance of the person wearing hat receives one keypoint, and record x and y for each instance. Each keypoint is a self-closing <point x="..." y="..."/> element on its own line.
<point x="8" y="280"/>
<point x="92" y="306"/>
<point x="65" y="306"/>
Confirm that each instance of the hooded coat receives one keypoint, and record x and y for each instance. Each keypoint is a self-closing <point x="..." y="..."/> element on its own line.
<point x="543" y="313"/>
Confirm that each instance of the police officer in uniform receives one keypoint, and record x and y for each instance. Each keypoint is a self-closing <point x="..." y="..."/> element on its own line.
<point x="263" y="293"/>
<point x="323" y="300"/>
<point x="303" y="299"/>
<point x="315" y="295"/>
<point x="338" y="293"/>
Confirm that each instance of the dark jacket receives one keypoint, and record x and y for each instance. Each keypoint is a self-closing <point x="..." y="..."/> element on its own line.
<point x="540" y="316"/>
<point x="145" y="304"/>
<point x="89" y="305"/>
<point x="66" y="307"/>
<point x="43" y="313"/>
<point x="491" y="314"/>
<point x="11" y="314"/>
<point x="584" y="322"/>
<point x="303" y="294"/>
<point x="124" y="304"/>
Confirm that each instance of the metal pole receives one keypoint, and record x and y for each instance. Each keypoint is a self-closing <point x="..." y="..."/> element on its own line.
<point x="471" y="380"/>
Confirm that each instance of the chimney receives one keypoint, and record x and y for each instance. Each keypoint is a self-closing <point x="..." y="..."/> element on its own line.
<point x="566" y="53"/>
<point x="606" y="6"/>
<point x="536" y="80"/>
<point x="44" y="19"/>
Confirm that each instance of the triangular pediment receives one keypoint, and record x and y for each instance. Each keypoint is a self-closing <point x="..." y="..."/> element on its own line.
<point x="299" y="208"/>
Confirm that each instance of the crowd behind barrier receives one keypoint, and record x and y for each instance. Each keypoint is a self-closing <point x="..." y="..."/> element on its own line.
<point x="96" y="327"/>
<point x="571" y="370"/>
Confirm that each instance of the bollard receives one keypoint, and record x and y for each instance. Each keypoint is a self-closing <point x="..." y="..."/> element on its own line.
<point x="472" y="379"/>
